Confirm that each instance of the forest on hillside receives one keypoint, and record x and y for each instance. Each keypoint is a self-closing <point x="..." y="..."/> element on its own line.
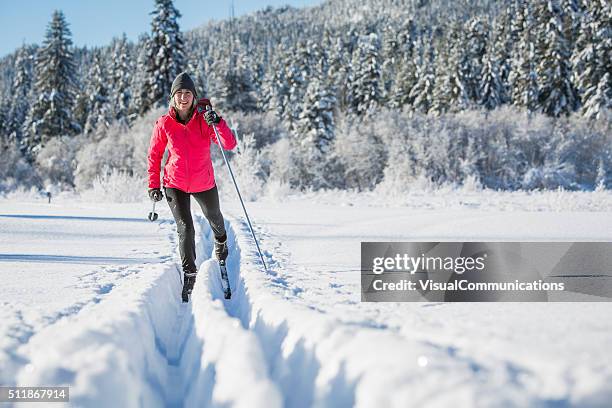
<point x="512" y="94"/>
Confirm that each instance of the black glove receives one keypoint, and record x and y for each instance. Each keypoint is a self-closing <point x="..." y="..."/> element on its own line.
<point x="212" y="117"/>
<point x="155" y="194"/>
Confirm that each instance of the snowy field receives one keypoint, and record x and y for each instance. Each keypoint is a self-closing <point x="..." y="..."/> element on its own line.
<point x="91" y="298"/>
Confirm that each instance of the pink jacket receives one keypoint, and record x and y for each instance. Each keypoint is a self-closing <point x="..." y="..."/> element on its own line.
<point x="189" y="167"/>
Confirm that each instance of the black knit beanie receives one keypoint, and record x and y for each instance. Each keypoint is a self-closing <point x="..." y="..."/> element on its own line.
<point x="182" y="81"/>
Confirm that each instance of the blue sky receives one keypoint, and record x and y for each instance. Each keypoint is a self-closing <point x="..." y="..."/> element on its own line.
<point x="96" y="22"/>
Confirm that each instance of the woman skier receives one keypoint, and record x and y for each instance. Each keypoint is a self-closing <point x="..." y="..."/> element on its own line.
<point x="186" y="130"/>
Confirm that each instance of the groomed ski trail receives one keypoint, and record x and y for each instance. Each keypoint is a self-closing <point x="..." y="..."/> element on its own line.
<point x="318" y="361"/>
<point x="140" y="346"/>
<point x="266" y="347"/>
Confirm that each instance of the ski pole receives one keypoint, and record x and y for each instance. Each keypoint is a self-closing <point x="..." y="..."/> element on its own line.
<point x="208" y="107"/>
<point x="153" y="214"/>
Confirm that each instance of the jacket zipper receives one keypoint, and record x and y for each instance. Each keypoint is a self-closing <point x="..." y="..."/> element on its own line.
<point x="186" y="133"/>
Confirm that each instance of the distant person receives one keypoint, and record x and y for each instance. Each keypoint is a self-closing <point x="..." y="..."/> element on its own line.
<point x="186" y="130"/>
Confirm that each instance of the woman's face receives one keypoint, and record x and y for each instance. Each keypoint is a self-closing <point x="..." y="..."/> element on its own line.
<point x="183" y="100"/>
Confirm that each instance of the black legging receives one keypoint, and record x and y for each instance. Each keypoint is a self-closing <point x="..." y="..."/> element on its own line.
<point x="180" y="205"/>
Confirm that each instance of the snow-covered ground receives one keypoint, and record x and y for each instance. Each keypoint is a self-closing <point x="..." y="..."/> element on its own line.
<point x="91" y="298"/>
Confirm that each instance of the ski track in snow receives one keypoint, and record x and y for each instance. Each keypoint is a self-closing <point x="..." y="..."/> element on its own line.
<point x="132" y="342"/>
<point x="517" y="354"/>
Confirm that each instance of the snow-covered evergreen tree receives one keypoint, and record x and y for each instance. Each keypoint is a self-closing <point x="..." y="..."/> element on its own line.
<point x="339" y="71"/>
<point x="314" y="132"/>
<point x="101" y="112"/>
<point x="449" y="91"/>
<point x="557" y="94"/>
<point x="405" y="81"/>
<point x="138" y="85"/>
<point x="51" y="113"/>
<point x="365" y="88"/>
<point x="406" y="71"/>
<point x="422" y="92"/>
<point x="165" y="55"/>
<point x="275" y="89"/>
<point x="315" y="127"/>
<point x="120" y="74"/>
<point x="199" y="78"/>
<point x="523" y="76"/>
<point x="491" y="86"/>
<point x="4" y="119"/>
<point x="391" y="57"/>
<point x="19" y="105"/>
<point x="592" y="59"/>
<point x="472" y="51"/>
<point x="601" y="99"/>
<point x="82" y="104"/>
<point x="236" y="91"/>
<point x="504" y="38"/>
<point x="297" y="75"/>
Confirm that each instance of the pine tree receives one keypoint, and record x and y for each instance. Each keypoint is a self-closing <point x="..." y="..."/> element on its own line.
<point x="391" y="56"/>
<point x="491" y="87"/>
<point x="315" y="127"/>
<point x="120" y="77"/>
<point x="5" y="140"/>
<point x="365" y="88"/>
<point x="405" y="81"/>
<point x="338" y="72"/>
<point x="82" y="103"/>
<point x="297" y="74"/>
<point x="557" y="93"/>
<point x="19" y="106"/>
<point x="138" y="85"/>
<point x="571" y="10"/>
<point x="100" y="115"/>
<point x="266" y="93"/>
<point x="275" y="90"/>
<point x="601" y="99"/>
<point x="314" y="132"/>
<point x="237" y="91"/>
<point x="51" y="115"/>
<point x="591" y="60"/>
<point x="200" y="78"/>
<point x="422" y="92"/>
<point x="406" y="71"/>
<point x="504" y="40"/>
<point x="407" y="38"/>
<point x="449" y="91"/>
<point x="472" y="49"/>
<point x="165" y="56"/>
<point x="523" y="76"/>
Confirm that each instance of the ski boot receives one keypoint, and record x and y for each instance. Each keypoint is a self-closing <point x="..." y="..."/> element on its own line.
<point x="188" y="282"/>
<point x="221" y="253"/>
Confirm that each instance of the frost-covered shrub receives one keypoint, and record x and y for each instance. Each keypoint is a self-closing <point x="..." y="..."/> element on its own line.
<point x="590" y="150"/>
<point x="399" y="173"/>
<point x="247" y="168"/>
<point x="117" y="187"/>
<point x="359" y="149"/>
<point x="277" y="162"/>
<point x="119" y="148"/>
<point x="139" y="136"/>
<point x="15" y="171"/>
<point x="500" y="149"/>
<point x="115" y="151"/>
<point x="56" y="161"/>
